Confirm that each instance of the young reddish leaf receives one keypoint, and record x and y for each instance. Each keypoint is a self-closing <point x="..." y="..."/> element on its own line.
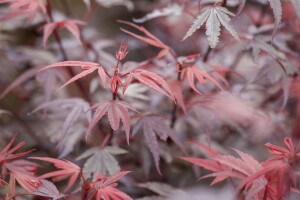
<point x="150" y="39"/>
<point x="116" y="111"/>
<point x="26" y="181"/>
<point x="175" y="87"/>
<point x="6" y="154"/>
<point x="154" y="127"/>
<point x="71" y="25"/>
<point x="245" y="168"/>
<point x="289" y="153"/>
<point x="67" y="169"/>
<point x="23" y="7"/>
<point x="105" y="187"/>
<point x="151" y="80"/>
<point x="122" y="52"/>
<point x="48" y="30"/>
<point x="88" y="68"/>
<point x="191" y="72"/>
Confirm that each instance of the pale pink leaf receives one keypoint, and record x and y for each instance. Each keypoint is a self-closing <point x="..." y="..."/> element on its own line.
<point x="49" y="190"/>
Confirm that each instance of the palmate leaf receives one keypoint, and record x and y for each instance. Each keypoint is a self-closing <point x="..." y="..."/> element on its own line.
<point x="245" y="168"/>
<point x="48" y="190"/>
<point x="101" y="161"/>
<point x="105" y="187"/>
<point x="150" y="39"/>
<point x="70" y="25"/>
<point x="6" y="153"/>
<point x="77" y="107"/>
<point x="214" y="16"/>
<point x="192" y="72"/>
<point x="87" y="67"/>
<point x="116" y="111"/>
<point x="154" y="127"/>
<point x="151" y="80"/>
<point x="23" y="7"/>
<point x="260" y="43"/>
<point x="66" y="169"/>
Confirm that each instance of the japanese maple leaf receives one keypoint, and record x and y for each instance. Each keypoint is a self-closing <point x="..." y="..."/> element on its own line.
<point x="87" y="67"/>
<point x="6" y="153"/>
<point x="49" y="190"/>
<point x="116" y="111"/>
<point x="153" y="127"/>
<point x="27" y="181"/>
<point x="105" y="187"/>
<point x="67" y="169"/>
<point x="281" y="153"/>
<point x="70" y="25"/>
<point x="261" y="43"/>
<point x="151" y="80"/>
<point x="20" y="166"/>
<point x="192" y="72"/>
<point x="78" y="109"/>
<point x="150" y="39"/>
<point x="105" y="157"/>
<point x="214" y="16"/>
<point x="23" y="7"/>
<point x="243" y="168"/>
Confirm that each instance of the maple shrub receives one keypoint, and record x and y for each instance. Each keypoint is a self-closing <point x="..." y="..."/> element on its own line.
<point x="142" y="99"/>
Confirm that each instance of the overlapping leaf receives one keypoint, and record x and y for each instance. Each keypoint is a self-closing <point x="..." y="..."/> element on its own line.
<point x="87" y="67"/>
<point x="225" y="166"/>
<point x="105" y="187"/>
<point x="260" y="43"/>
<point x="214" y="16"/>
<point x="116" y="111"/>
<point x="151" y="80"/>
<point x="101" y="161"/>
<point x="23" y="7"/>
<point x="48" y="189"/>
<point x="66" y="169"/>
<point x="70" y="25"/>
<point x="7" y="153"/>
<point x="150" y="39"/>
<point x="78" y="108"/>
<point x="193" y="72"/>
<point x="153" y="128"/>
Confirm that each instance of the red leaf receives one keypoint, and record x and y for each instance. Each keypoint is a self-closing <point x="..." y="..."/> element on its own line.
<point x="151" y="80"/>
<point x="116" y="111"/>
<point x="7" y="153"/>
<point x="150" y="39"/>
<point x="191" y="72"/>
<point x="88" y="68"/>
<point x="68" y="169"/>
<point x="105" y="187"/>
